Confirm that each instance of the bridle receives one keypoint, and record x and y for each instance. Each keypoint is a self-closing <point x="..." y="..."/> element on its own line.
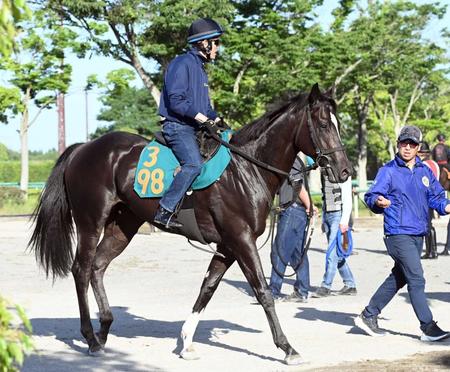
<point x="322" y="155"/>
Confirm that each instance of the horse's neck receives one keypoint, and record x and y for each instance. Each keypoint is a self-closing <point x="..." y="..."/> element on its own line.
<point x="276" y="147"/>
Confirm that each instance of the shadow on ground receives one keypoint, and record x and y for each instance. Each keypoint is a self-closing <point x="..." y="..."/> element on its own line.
<point x="65" y="361"/>
<point x="309" y="313"/>
<point x="440" y="296"/>
<point x="128" y="325"/>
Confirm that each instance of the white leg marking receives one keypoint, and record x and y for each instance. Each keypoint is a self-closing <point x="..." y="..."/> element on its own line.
<point x="187" y="334"/>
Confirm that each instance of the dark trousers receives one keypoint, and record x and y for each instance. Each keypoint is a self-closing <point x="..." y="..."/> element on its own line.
<point x="430" y="239"/>
<point x="288" y="249"/>
<point x="405" y="250"/>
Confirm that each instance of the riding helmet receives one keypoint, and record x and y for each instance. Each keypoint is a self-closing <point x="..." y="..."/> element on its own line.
<point x="204" y="29"/>
<point x="440" y="137"/>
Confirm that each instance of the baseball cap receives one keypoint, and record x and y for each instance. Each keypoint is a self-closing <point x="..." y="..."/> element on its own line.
<point x="410" y="132"/>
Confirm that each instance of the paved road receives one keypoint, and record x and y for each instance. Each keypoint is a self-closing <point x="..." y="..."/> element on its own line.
<point x="154" y="283"/>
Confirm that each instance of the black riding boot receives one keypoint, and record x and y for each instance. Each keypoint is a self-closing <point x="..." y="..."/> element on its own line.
<point x="166" y="218"/>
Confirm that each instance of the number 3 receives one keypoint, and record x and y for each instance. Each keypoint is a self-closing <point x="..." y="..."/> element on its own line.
<point x="153" y="155"/>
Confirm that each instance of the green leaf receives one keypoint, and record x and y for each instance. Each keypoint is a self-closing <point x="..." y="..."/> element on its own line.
<point x="16" y="352"/>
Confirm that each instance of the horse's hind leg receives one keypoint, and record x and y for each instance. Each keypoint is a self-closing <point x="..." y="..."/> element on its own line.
<point x="216" y="270"/>
<point x="120" y="229"/>
<point x="81" y="270"/>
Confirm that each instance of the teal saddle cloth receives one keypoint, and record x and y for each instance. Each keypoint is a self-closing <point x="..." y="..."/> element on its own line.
<point x="157" y="165"/>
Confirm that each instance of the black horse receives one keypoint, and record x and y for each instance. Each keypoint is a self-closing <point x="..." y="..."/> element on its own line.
<point x="92" y="184"/>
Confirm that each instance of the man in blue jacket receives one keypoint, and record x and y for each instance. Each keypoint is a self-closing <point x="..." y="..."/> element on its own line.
<point x="184" y="106"/>
<point x="403" y="191"/>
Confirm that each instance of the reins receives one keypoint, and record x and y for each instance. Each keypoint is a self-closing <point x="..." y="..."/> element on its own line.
<point x="236" y="150"/>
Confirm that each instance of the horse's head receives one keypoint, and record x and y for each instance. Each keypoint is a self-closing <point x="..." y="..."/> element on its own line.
<point x="324" y="142"/>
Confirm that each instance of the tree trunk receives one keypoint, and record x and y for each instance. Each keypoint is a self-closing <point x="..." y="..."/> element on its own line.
<point x="61" y="123"/>
<point x="362" y="156"/>
<point x="154" y="91"/>
<point x="24" y="145"/>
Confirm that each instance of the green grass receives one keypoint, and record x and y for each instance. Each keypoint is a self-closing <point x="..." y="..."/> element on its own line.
<point x="11" y="208"/>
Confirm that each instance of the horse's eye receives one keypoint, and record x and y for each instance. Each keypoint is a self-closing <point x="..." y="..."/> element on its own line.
<point x="323" y="123"/>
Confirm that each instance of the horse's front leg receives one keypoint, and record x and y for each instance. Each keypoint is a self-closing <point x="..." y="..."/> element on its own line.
<point x="248" y="259"/>
<point x="217" y="268"/>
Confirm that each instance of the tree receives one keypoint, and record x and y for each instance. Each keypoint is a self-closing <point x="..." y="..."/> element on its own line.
<point x="396" y="68"/>
<point x="36" y="73"/>
<point x="128" y="108"/>
<point x="267" y="52"/>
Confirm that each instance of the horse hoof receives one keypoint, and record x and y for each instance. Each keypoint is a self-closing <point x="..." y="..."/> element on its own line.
<point x="101" y="341"/>
<point x="97" y="352"/>
<point x="189" y="354"/>
<point x="294" y="360"/>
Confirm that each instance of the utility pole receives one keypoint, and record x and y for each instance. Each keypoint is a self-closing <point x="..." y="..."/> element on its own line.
<point x="61" y="123"/>
<point x="61" y="114"/>
<point x="87" y="112"/>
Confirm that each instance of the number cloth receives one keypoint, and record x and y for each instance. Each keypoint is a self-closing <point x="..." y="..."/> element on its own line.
<point x="157" y="165"/>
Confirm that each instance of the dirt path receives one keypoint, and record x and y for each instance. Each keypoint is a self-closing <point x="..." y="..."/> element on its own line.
<point x="154" y="283"/>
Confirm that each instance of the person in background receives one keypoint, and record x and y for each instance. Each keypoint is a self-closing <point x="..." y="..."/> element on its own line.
<point x="336" y="208"/>
<point x="441" y="152"/>
<point x="430" y="238"/>
<point x="404" y="189"/>
<point x="289" y="242"/>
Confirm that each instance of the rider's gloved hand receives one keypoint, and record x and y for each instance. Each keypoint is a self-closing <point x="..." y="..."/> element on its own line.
<point x="209" y="126"/>
<point x="221" y="124"/>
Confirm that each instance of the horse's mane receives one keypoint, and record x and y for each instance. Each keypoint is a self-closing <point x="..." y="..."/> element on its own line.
<point x="254" y="130"/>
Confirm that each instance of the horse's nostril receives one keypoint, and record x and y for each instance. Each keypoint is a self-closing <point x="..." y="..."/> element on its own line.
<point x="345" y="173"/>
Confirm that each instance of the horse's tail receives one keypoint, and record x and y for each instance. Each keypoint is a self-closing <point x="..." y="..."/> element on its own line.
<point x="52" y="235"/>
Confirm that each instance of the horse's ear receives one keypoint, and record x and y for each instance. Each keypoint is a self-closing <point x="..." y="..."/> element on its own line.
<point x="315" y="94"/>
<point x="331" y="91"/>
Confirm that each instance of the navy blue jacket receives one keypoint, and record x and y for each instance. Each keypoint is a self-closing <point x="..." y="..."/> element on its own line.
<point x="185" y="91"/>
<point x="411" y="192"/>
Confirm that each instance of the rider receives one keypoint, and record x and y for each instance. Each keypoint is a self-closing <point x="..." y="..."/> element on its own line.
<point x="441" y="152"/>
<point x="184" y="105"/>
